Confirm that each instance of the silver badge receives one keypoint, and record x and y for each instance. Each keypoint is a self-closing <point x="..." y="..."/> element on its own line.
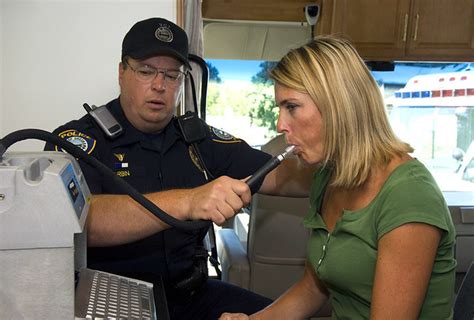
<point x="222" y="134"/>
<point x="164" y="34"/>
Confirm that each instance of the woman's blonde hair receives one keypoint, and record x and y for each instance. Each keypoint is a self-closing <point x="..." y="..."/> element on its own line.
<point x="357" y="133"/>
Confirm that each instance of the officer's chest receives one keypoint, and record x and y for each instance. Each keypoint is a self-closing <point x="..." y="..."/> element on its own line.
<point x="147" y="168"/>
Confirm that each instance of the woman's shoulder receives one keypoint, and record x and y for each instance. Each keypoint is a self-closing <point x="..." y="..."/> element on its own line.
<point x="411" y="172"/>
<point x="412" y="195"/>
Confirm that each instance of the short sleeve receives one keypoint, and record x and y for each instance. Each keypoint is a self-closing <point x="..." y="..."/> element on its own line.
<point x="414" y="200"/>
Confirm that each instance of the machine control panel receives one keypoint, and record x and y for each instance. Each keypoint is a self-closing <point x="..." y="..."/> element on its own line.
<point x="74" y="189"/>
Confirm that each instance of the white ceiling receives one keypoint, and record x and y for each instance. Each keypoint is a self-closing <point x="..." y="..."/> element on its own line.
<point x="252" y="41"/>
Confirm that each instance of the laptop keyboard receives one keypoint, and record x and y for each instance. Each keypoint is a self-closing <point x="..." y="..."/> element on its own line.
<point x="101" y="295"/>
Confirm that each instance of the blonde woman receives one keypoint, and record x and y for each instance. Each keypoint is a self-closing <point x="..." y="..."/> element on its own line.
<point x="382" y="237"/>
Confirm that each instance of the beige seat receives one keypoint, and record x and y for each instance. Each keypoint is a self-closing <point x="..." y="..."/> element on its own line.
<point x="462" y="213"/>
<point x="275" y="254"/>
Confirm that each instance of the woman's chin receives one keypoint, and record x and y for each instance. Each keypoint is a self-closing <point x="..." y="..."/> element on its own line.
<point x="302" y="159"/>
<point x="305" y="160"/>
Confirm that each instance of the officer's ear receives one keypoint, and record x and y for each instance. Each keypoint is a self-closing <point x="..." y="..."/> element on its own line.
<point x="121" y="70"/>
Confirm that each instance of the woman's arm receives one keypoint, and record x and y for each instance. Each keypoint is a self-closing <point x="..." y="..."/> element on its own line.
<point x="404" y="263"/>
<point x="301" y="301"/>
<point x="291" y="178"/>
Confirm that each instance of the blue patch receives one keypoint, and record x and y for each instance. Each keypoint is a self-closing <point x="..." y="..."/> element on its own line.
<point x="121" y="165"/>
<point x="79" y="139"/>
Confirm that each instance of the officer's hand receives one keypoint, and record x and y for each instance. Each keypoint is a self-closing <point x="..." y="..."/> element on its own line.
<point x="233" y="316"/>
<point x="219" y="200"/>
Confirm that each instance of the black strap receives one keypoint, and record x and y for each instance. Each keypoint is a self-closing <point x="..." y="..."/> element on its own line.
<point x="193" y="131"/>
<point x="213" y="259"/>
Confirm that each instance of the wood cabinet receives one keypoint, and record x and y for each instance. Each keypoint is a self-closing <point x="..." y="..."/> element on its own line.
<point x="440" y="30"/>
<point x="256" y="10"/>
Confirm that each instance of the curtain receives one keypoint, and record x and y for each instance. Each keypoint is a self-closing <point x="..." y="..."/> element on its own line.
<point x="193" y="25"/>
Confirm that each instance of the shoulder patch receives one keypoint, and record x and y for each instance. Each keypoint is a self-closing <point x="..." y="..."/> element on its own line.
<point x="79" y="139"/>
<point x="221" y="134"/>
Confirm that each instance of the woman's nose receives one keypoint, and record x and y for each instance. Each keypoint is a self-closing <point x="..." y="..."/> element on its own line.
<point x="281" y="125"/>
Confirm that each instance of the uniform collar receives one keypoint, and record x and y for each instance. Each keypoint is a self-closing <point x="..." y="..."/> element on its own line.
<point x="132" y="135"/>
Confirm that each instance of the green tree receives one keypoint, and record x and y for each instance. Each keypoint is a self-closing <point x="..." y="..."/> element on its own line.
<point x="255" y="100"/>
<point x="264" y="112"/>
<point x="213" y="100"/>
<point x="213" y="73"/>
<point x="213" y="94"/>
<point x="262" y="75"/>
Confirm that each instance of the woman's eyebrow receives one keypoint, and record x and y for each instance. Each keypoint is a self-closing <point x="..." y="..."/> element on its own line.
<point x="286" y="101"/>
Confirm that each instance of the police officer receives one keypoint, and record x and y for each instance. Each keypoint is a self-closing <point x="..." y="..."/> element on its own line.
<point x="152" y="155"/>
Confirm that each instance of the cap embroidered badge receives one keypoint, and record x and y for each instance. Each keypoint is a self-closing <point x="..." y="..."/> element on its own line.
<point x="164" y="34"/>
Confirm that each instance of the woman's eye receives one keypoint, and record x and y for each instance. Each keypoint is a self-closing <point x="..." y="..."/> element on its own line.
<point x="291" y="107"/>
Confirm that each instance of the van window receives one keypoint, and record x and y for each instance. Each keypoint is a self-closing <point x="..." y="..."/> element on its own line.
<point x="430" y="106"/>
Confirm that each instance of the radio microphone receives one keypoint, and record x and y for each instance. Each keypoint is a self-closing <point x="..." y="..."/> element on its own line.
<point x="267" y="167"/>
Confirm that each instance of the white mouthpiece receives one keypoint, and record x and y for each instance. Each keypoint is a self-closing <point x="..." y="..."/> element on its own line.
<point x="289" y="149"/>
<point x="287" y="152"/>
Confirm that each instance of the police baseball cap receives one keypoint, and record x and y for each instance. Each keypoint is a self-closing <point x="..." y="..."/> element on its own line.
<point x="156" y="36"/>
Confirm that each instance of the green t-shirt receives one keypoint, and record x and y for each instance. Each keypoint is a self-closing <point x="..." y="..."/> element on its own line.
<point x="345" y="258"/>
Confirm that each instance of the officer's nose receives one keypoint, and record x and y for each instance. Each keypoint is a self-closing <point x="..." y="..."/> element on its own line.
<point x="159" y="82"/>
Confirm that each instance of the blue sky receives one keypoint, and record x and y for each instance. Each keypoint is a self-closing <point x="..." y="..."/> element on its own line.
<point x="236" y="69"/>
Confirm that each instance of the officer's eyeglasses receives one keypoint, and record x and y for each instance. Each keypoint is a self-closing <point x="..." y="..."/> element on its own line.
<point x="146" y="73"/>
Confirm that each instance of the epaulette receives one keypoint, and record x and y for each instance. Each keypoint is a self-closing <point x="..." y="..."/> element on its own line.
<point x="220" y="136"/>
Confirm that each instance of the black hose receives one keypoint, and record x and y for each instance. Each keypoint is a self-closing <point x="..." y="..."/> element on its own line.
<point x="38" y="134"/>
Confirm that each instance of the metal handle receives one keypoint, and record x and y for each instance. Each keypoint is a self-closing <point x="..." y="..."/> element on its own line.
<point x="405" y="28"/>
<point x="417" y="19"/>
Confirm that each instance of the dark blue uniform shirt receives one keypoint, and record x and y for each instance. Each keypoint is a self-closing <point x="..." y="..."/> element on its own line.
<point x="154" y="162"/>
